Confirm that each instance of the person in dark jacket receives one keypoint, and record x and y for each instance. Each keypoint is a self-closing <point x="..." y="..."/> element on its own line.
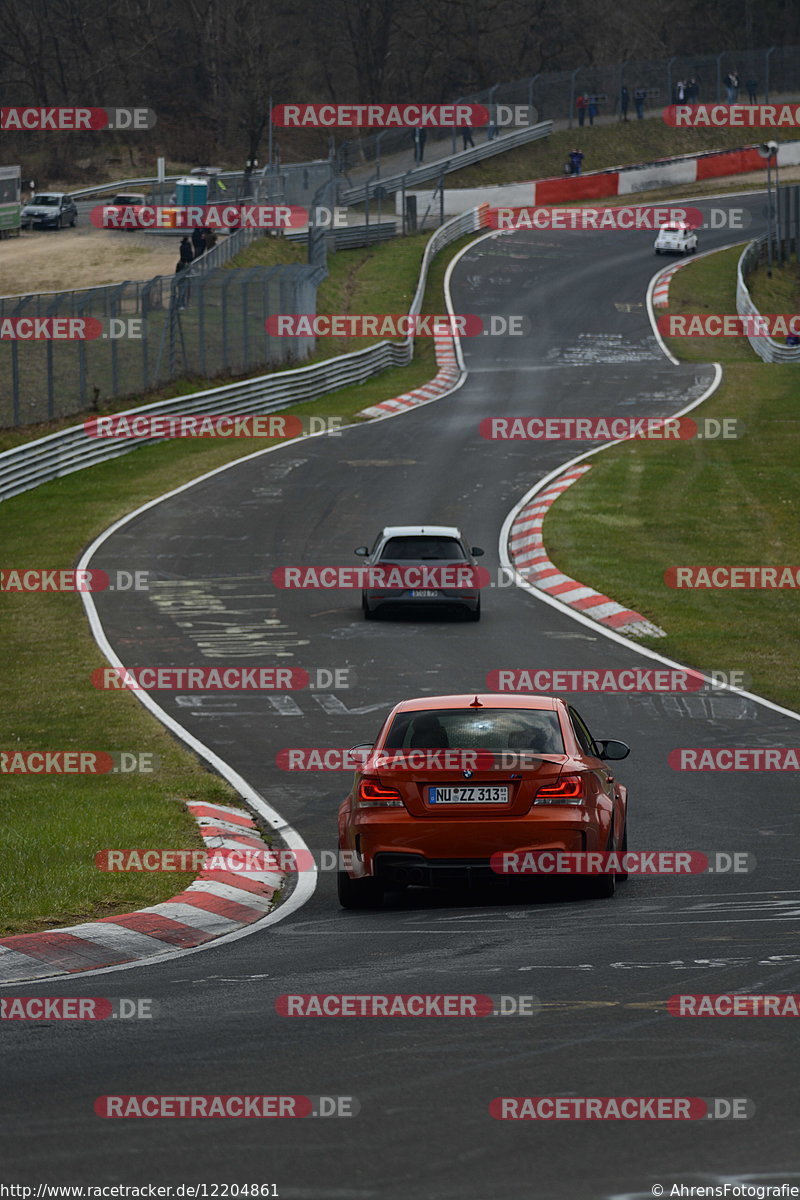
<point x="187" y="254"/>
<point x="198" y="242"/>
<point x="576" y="158"/>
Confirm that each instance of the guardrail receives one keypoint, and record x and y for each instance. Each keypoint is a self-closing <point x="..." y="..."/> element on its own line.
<point x="462" y="158"/>
<point x="72" y="449"/>
<point x="765" y="347"/>
<point x="350" y="237"/>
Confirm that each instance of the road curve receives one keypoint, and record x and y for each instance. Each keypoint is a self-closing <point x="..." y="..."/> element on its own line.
<point x="602" y="970"/>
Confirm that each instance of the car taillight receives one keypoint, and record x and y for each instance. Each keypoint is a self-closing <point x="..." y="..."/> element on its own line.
<point x="567" y="790"/>
<point x="373" y="794"/>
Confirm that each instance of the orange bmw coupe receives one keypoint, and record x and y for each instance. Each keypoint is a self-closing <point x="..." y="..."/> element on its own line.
<point x="453" y="782"/>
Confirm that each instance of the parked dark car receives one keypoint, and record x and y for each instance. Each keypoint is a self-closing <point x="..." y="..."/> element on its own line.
<point x="49" y="210"/>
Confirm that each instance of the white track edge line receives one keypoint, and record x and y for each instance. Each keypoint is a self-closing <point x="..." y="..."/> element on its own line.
<point x="505" y="561"/>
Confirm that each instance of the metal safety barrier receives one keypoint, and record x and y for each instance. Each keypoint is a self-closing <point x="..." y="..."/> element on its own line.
<point x="72" y="449"/>
<point x="765" y="347"/>
<point x="463" y="158"/>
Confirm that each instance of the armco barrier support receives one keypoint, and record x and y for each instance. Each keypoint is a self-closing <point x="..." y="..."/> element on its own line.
<point x="59" y="454"/>
<point x="766" y="348"/>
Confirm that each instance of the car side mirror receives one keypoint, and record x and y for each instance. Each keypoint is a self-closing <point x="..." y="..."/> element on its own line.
<point x="477" y="551"/>
<point x="362" y="550"/>
<point x="613" y="750"/>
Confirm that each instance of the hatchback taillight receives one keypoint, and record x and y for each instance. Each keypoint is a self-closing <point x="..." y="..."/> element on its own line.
<point x="566" y="790"/>
<point x="374" y="794"/>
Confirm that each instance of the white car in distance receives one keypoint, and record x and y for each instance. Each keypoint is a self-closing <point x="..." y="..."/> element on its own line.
<point x="676" y="238"/>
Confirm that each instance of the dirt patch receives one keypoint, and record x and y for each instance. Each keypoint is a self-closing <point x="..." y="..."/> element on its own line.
<point x="56" y="260"/>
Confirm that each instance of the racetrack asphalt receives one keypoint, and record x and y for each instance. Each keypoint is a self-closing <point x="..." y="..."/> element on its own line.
<point x="602" y="969"/>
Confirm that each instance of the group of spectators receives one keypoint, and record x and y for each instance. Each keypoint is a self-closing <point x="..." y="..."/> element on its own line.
<point x="190" y="249"/>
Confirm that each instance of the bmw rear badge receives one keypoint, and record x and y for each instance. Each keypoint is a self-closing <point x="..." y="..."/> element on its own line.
<point x="468" y="774"/>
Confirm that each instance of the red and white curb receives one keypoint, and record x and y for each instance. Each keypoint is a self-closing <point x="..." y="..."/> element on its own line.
<point x="530" y="559"/>
<point x="446" y="378"/>
<point x="217" y="903"/>
<point x="661" y="289"/>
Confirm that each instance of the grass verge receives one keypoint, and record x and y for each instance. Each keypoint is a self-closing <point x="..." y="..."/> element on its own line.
<point x="53" y="826"/>
<point x="647" y="506"/>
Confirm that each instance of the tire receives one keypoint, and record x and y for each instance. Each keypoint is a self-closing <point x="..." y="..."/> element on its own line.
<point x="601" y="887"/>
<point x="72" y="222"/>
<point x="60" y="223"/>
<point x="358" y="893"/>
<point x="623" y="847"/>
<point x="657" y="251"/>
<point x="476" y="615"/>
<point x="369" y="614"/>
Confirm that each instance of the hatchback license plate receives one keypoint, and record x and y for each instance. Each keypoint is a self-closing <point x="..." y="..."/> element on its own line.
<point x="425" y="593"/>
<point x="469" y="794"/>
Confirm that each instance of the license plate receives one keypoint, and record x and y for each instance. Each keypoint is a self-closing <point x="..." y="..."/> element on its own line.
<point x="468" y="794"/>
<point x="425" y="593"/>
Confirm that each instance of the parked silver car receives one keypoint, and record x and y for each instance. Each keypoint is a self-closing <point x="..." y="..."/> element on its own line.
<point x="49" y="210"/>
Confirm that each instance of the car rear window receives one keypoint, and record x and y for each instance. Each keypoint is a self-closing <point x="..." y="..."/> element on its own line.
<point x="493" y="729"/>
<point x="416" y="548"/>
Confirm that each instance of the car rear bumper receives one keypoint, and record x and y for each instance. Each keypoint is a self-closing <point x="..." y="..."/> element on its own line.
<point x="398" y="599"/>
<point x="387" y="842"/>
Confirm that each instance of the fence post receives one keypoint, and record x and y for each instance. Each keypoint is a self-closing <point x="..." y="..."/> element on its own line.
<point x="767" y="55"/>
<point x="719" y="75"/>
<point x="572" y="79"/>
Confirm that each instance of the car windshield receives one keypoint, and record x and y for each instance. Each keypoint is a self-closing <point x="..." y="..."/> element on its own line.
<point x="416" y="548"/>
<point x="496" y="729"/>
<point x="45" y="200"/>
<point x="128" y="200"/>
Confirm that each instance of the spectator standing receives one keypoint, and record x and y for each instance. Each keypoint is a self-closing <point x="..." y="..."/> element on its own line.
<point x="752" y="91"/>
<point x="576" y="158"/>
<point x="638" y="99"/>
<point x="580" y="104"/>
<point x="692" y="91"/>
<point x="624" y="102"/>
<point x="211" y="238"/>
<point x="420" y="137"/>
<point x="592" y="109"/>
<point x="680" y="91"/>
<point x="198" y="242"/>
<point x="186" y="254"/>
<point x="731" y="82"/>
<point x="466" y="134"/>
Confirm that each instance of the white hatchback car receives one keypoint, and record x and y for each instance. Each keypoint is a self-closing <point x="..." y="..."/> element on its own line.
<point x="676" y="239"/>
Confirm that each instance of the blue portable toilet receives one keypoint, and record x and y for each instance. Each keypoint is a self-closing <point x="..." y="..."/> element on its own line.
<point x="191" y="190"/>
